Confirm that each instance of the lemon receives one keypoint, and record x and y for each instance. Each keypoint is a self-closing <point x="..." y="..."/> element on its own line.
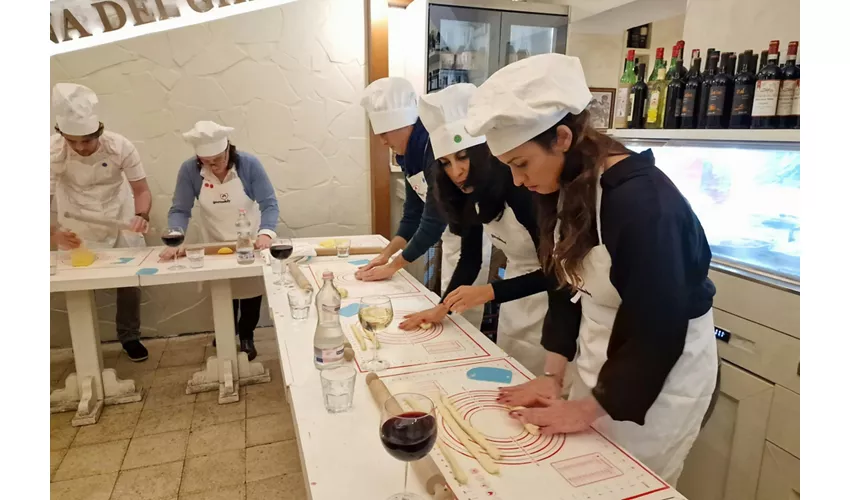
<point x="82" y="257"/>
<point x="225" y="251"/>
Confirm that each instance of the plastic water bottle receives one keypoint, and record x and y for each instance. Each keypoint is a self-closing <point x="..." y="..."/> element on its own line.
<point x="244" y="242"/>
<point x="328" y="342"/>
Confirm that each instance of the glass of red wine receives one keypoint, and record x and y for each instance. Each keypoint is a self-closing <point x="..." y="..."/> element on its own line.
<point x="173" y="237"/>
<point x="281" y="249"/>
<point x="408" y="432"/>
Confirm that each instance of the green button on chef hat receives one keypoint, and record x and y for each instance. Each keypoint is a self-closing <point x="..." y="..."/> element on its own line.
<point x="444" y="113"/>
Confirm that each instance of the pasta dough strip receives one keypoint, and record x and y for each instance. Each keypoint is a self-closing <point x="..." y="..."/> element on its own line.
<point x="485" y="461"/>
<point x="457" y="471"/>
<point x="531" y="428"/>
<point x="470" y="430"/>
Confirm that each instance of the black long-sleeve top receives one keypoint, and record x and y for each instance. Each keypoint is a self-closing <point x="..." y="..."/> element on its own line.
<point x="659" y="267"/>
<point x="469" y="265"/>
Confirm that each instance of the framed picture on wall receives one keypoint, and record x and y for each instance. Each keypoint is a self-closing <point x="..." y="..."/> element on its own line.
<point x="601" y="108"/>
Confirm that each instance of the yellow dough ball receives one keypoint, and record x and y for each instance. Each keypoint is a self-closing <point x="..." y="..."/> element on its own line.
<point x="426" y="326"/>
<point x="343" y="293"/>
<point x="225" y="251"/>
<point x="82" y="257"/>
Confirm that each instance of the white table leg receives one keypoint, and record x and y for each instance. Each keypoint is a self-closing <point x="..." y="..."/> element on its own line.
<point x="229" y="368"/>
<point x="90" y="387"/>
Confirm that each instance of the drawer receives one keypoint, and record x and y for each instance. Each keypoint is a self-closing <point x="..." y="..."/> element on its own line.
<point x="765" y="352"/>
<point x="783" y="428"/>
<point x="774" y="308"/>
<point x="780" y="475"/>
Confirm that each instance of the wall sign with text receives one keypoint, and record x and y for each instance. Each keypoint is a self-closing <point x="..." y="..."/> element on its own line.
<point x="78" y="24"/>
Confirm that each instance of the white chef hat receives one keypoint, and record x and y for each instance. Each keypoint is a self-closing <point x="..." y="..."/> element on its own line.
<point x="526" y="98"/>
<point x="208" y="138"/>
<point x="391" y="104"/>
<point x="444" y="114"/>
<point x="73" y="106"/>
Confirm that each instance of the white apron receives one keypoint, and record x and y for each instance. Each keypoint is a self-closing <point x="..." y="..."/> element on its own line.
<point x="521" y="320"/>
<point x="219" y="205"/>
<point x="451" y="255"/>
<point x="673" y="421"/>
<point x="95" y="185"/>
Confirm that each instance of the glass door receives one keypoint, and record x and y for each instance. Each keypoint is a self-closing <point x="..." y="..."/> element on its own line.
<point x="526" y="35"/>
<point x="462" y="46"/>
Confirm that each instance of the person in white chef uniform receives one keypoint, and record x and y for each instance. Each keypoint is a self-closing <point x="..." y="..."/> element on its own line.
<point x="392" y="107"/>
<point x="617" y="233"/>
<point x="478" y="196"/>
<point x="97" y="173"/>
<point x="223" y="181"/>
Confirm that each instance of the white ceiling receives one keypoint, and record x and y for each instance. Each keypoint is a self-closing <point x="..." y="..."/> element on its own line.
<point x="616" y="16"/>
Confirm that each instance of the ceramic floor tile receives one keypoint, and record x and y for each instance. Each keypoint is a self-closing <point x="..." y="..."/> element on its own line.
<point x="209" y="351"/>
<point x="210" y="396"/>
<point x="265" y="334"/>
<point x="86" y="488"/>
<point x="269" y="429"/>
<point x="61" y="355"/>
<point x="216" y="439"/>
<point x="288" y="487"/>
<point x="57" y="370"/>
<point x="125" y="364"/>
<point x="92" y="460"/>
<point x="122" y="408"/>
<point x="158" y="482"/>
<point x="223" y="493"/>
<point x="169" y="419"/>
<point x="168" y="395"/>
<point x="213" y="413"/>
<point x="265" y="399"/>
<point x="177" y="375"/>
<point x="192" y="355"/>
<point x="185" y="341"/>
<point x="107" y="428"/>
<point x="55" y="459"/>
<point x="270" y="460"/>
<point x="267" y="348"/>
<point x="62" y="434"/>
<point x="213" y="472"/>
<point x="157" y="449"/>
<point x="61" y="420"/>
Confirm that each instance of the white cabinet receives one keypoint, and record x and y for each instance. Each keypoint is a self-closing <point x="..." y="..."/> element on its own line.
<point x="725" y="460"/>
<point x="780" y="475"/>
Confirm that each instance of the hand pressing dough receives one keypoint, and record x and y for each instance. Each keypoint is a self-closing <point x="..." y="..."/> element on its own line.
<point x="472" y="431"/>
<point x="531" y="428"/>
<point x="486" y="462"/>
<point x="426" y="326"/>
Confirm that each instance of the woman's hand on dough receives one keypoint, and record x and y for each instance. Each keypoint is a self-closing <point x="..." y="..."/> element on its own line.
<point x="168" y="253"/>
<point x="560" y="416"/>
<point x="380" y="260"/>
<point x="433" y="315"/>
<point x="467" y="297"/>
<point x="526" y="394"/>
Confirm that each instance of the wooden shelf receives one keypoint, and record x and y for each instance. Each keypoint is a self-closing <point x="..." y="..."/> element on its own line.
<point x="781" y="136"/>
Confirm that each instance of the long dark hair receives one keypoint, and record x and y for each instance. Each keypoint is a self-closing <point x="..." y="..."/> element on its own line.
<point x="489" y="179"/>
<point x="578" y="179"/>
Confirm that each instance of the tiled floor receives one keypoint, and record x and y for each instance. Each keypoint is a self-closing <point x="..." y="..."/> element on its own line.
<point x="171" y="446"/>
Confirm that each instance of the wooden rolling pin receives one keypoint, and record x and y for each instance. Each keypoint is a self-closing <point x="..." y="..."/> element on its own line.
<point x="425" y="469"/>
<point x="331" y="252"/>
<point x="299" y="277"/>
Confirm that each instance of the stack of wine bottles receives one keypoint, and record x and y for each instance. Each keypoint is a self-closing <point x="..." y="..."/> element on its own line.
<point x="735" y="91"/>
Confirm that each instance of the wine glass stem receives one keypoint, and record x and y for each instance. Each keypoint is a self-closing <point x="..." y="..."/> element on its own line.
<point x="281" y="273"/>
<point x="406" y="466"/>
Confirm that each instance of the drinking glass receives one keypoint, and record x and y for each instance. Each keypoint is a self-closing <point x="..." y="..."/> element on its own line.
<point x="173" y="237"/>
<point x="408" y="435"/>
<point x="343" y="248"/>
<point x="281" y="249"/>
<point x="196" y="257"/>
<point x="338" y="388"/>
<point x="299" y="302"/>
<point x="375" y="314"/>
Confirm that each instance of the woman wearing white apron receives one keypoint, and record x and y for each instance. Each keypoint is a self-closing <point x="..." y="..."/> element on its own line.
<point x="391" y="105"/>
<point x="473" y="188"/>
<point x="225" y="181"/>
<point x="617" y="232"/>
<point x="96" y="172"/>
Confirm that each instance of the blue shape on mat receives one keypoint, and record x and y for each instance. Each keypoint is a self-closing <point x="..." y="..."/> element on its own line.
<point x="124" y="260"/>
<point x="361" y="262"/>
<point x="490" y="374"/>
<point x="349" y="310"/>
<point x="146" y="271"/>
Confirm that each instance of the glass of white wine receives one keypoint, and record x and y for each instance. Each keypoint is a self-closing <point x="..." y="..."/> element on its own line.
<point x="376" y="314"/>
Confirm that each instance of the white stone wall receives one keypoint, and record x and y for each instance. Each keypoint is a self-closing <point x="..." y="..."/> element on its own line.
<point x="286" y="78"/>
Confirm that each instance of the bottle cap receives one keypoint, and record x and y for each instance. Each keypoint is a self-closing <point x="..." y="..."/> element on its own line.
<point x="328" y="275"/>
<point x="659" y="53"/>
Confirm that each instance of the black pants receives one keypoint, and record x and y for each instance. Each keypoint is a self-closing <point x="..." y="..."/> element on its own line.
<point x="247" y="321"/>
<point x="128" y="313"/>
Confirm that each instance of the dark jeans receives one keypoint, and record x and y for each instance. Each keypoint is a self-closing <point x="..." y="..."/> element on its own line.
<point x="128" y="314"/>
<point x="247" y="321"/>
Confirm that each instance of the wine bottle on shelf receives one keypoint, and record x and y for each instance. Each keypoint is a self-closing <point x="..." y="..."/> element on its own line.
<point x="691" y="98"/>
<point x="789" y="91"/>
<point x="694" y="55"/>
<point x="622" y="106"/>
<point x="745" y="84"/>
<point x="733" y="61"/>
<point x="643" y="37"/>
<point x="763" y="60"/>
<point x="656" y="100"/>
<point x="683" y="71"/>
<point x="659" y="63"/>
<point x="637" y="99"/>
<point x="766" y="96"/>
<point x="705" y="88"/>
<point x="673" y="58"/>
<point x="675" y="98"/>
<point x="720" y="95"/>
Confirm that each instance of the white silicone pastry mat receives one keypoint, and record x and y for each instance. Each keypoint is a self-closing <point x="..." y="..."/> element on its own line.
<point x="584" y="466"/>
<point x="444" y="342"/>
<point x="110" y="257"/>
<point x="344" y="270"/>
